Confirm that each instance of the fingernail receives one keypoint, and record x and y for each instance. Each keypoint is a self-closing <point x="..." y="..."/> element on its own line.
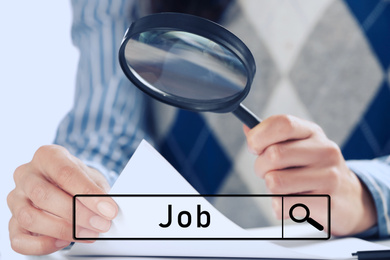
<point x="86" y="233"/>
<point x="61" y="243"/>
<point x="106" y="209"/>
<point x="100" y="223"/>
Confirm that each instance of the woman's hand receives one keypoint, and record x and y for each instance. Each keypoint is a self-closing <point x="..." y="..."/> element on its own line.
<point x="41" y="203"/>
<point x="296" y="157"/>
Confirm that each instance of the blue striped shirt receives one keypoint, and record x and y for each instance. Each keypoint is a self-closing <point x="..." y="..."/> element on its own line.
<point x="108" y="118"/>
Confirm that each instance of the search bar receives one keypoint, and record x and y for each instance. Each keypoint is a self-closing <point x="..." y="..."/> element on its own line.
<point x="193" y="217"/>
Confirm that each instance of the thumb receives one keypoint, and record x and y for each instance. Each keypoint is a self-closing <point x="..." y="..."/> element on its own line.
<point x="246" y="129"/>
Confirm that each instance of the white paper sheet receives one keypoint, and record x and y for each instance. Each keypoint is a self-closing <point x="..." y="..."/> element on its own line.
<point x="149" y="173"/>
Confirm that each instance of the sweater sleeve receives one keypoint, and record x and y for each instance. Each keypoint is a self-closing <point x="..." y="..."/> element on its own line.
<point x="375" y="174"/>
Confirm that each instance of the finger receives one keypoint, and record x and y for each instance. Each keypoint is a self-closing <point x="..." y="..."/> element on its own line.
<point x="11" y="198"/>
<point x="36" y="221"/>
<point x="302" y="180"/>
<point x="50" y="198"/>
<point x="246" y="129"/>
<point x="85" y="218"/>
<point x="277" y="207"/>
<point x="21" y="173"/>
<point x="297" y="153"/>
<point x="288" y="154"/>
<point x="276" y="129"/>
<point x="24" y="242"/>
<point x="40" y="222"/>
<point x="61" y="168"/>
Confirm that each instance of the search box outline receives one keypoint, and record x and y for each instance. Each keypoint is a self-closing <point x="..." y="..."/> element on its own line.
<point x="205" y="195"/>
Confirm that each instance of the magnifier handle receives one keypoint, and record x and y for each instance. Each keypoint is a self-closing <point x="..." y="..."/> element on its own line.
<point x="246" y="116"/>
<point x="315" y="224"/>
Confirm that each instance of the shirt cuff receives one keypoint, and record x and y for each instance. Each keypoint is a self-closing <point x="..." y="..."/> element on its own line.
<point x="376" y="176"/>
<point x="110" y="176"/>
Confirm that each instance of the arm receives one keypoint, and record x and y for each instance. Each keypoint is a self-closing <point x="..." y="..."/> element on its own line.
<point x="375" y="174"/>
<point x="102" y="129"/>
<point x="108" y="118"/>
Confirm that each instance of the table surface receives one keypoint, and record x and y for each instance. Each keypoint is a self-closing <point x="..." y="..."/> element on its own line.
<point x="8" y="253"/>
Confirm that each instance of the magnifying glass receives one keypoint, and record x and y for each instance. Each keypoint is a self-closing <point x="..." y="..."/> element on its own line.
<point x="189" y="62"/>
<point x="306" y="218"/>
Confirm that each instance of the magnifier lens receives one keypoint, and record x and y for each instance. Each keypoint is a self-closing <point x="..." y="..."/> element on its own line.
<point x="189" y="62"/>
<point x="185" y="65"/>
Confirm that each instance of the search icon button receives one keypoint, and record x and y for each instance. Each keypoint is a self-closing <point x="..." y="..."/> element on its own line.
<point x="306" y="218"/>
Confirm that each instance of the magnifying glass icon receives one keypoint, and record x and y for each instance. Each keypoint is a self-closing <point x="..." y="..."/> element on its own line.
<point x="189" y="62"/>
<point x="306" y="218"/>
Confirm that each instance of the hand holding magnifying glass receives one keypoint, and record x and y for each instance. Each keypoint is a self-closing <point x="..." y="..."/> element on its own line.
<point x="195" y="64"/>
<point x="189" y="62"/>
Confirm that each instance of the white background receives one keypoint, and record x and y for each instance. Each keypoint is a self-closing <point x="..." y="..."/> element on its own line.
<point x="37" y="74"/>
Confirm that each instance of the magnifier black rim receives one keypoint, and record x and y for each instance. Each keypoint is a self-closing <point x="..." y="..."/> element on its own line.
<point x="292" y="215"/>
<point x="202" y="27"/>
